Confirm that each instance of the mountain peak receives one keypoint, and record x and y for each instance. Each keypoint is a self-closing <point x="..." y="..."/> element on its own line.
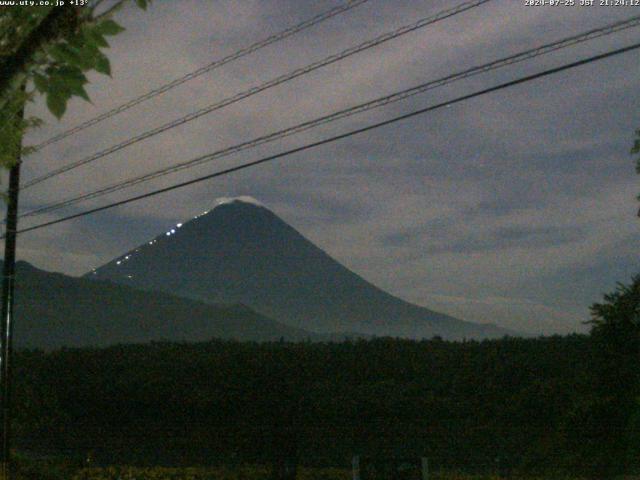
<point x="240" y="252"/>
<point x="239" y="199"/>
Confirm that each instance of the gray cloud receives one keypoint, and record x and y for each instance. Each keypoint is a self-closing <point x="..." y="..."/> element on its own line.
<point x="516" y="207"/>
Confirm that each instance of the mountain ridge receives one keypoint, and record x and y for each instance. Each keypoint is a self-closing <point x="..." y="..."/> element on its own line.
<point x="242" y="252"/>
<point x="53" y="310"/>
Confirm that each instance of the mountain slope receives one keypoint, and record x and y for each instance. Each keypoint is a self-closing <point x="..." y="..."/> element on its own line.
<point x="55" y="310"/>
<point x="240" y="252"/>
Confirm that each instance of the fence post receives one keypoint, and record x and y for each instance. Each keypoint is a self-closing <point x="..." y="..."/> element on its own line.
<point x="425" y="468"/>
<point x="355" y="467"/>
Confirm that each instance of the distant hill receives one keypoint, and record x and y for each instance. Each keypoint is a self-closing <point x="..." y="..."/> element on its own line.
<point x="55" y="310"/>
<point x="240" y="252"/>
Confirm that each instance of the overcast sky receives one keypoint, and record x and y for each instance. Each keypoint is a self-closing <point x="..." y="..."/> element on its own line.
<point x="516" y="208"/>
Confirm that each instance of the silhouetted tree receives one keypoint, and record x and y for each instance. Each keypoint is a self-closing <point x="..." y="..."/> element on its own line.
<point x="616" y="335"/>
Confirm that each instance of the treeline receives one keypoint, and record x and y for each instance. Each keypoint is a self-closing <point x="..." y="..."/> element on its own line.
<point x="527" y="405"/>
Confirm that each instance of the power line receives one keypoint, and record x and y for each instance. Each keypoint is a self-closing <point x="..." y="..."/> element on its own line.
<point x="262" y="87"/>
<point x="382" y="101"/>
<point x="207" y="68"/>
<point x="308" y="146"/>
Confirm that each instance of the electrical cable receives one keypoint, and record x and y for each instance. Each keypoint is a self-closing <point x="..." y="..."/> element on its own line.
<point x="205" y="69"/>
<point x="379" y="102"/>
<point x="325" y="141"/>
<point x="262" y="87"/>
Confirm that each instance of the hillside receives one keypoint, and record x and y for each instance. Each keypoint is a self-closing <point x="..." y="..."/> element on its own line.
<point x="55" y="310"/>
<point x="240" y="252"/>
<point x="461" y="404"/>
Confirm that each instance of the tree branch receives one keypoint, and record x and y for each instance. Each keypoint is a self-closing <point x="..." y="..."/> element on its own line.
<point x="14" y="68"/>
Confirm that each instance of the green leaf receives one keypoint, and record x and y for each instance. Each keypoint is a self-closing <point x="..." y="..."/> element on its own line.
<point x="40" y="81"/>
<point x="57" y="103"/>
<point x="26" y="151"/>
<point x="79" y="91"/>
<point x="34" y="122"/>
<point x="97" y="38"/>
<point x="108" y="27"/>
<point x="65" y="53"/>
<point x="70" y="73"/>
<point x="77" y="40"/>
<point x="88" y="58"/>
<point x="57" y="86"/>
<point x="142" y="4"/>
<point x="69" y="81"/>
<point x="102" y="65"/>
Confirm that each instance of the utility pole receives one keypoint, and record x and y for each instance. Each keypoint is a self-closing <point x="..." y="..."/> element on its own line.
<point x="14" y="70"/>
<point x="8" y="284"/>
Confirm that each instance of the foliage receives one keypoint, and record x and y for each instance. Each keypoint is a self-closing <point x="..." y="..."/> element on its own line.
<point x="460" y="404"/>
<point x="48" y="50"/>
<point x="537" y="408"/>
<point x="167" y="473"/>
<point x="614" y="415"/>
<point x="60" y="75"/>
<point x="52" y="468"/>
<point x="243" y="472"/>
<point x="620" y="311"/>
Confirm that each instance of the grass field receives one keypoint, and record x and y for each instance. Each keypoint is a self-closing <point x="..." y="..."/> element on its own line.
<point x="62" y="470"/>
<point x="262" y="473"/>
<point x="257" y="473"/>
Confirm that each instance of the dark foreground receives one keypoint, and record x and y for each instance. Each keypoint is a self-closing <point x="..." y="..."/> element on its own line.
<point x="246" y="472"/>
<point x="548" y="407"/>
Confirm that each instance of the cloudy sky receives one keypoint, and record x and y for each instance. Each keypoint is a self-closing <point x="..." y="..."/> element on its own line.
<point x="516" y="208"/>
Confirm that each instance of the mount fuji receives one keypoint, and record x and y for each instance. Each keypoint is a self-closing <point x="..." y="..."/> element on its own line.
<point x="240" y="252"/>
